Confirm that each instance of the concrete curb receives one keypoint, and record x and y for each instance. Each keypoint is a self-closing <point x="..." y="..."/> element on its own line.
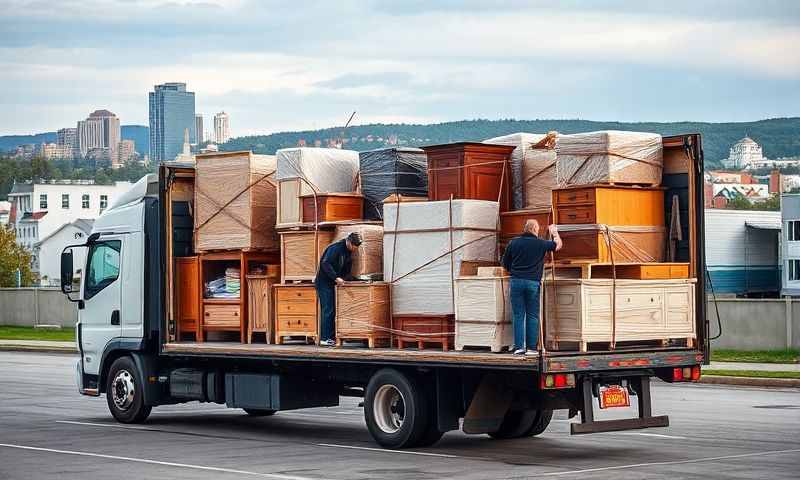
<point x="751" y="381"/>
<point x="37" y="348"/>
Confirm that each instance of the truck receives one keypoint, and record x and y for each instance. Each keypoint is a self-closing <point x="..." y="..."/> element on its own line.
<point x="125" y="291"/>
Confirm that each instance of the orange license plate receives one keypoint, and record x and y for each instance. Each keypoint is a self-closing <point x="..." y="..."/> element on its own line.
<point x="614" y="396"/>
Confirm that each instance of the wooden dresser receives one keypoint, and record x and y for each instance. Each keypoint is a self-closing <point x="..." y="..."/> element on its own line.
<point x="483" y="311"/>
<point x="261" y="306"/>
<point x="467" y="170"/>
<point x="296" y="312"/>
<point x="188" y="292"/>
<point x="423" y="330"/>
<point x="634" y="216"/>
<point x="362" y="313"/>
<point x="332" y="207"/>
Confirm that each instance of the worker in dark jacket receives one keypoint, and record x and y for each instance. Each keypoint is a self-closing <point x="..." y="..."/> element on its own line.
<point x="524" y="259"/>
<point x="334" y="269"/>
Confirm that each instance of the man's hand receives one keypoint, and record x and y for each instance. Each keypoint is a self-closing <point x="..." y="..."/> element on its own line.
<point x="553" y="230"/>
<point x="339" y="281"/>
<point x="555" y="236"/>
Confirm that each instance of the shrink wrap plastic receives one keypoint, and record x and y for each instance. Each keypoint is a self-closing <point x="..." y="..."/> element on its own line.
<point x="402" y="171"/>
<point x="234" y="202"/>
<point x="629" y="243"/>
<point x="533" y="173"/>
<point x="368" y="259"/>
<point x="418" y="259"/>
<point x="325" y="169"/>
<point x="362" y="309"/>
<point x="609" y="156"/>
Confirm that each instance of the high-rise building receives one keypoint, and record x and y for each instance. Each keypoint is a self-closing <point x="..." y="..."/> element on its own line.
<point x="125" y="153"/>
<point x="100" y="131"/>
<point x="198" y="128"/>
<point x="222" y="128"/>
<point x="171" y="112"/>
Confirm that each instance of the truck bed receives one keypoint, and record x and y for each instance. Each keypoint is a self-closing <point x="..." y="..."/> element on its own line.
<point x="553" y="361"/>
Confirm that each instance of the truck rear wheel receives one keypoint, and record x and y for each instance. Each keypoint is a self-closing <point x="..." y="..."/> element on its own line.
<point x="523" y="423"/>
<point x="395" y="409"/>
<point x="125" y="392"/>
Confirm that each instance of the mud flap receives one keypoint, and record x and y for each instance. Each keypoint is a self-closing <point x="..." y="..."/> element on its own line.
<point x="646" y="419"/>
<point x="488" y="406"/>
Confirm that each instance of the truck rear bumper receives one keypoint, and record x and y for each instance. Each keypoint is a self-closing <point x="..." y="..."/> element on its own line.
<point x="641" y="385"/>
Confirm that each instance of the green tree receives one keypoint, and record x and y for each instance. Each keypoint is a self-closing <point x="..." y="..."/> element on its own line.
<point x="13" y="257"/>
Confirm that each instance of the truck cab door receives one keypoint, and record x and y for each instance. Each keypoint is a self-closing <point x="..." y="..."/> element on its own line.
<point x="99" y="315"/>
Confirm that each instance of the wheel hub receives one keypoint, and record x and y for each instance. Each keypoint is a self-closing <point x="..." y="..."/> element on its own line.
<point x="123" y="390"/>
<point x="390" y="409"/>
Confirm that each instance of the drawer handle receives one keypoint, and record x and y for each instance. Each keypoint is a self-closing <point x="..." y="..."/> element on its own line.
<point x="572" y="216"/>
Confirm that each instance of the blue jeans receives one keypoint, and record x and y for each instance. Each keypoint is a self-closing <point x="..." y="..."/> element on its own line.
<point x="525" y="305"/>
<point x="327" y="310"/>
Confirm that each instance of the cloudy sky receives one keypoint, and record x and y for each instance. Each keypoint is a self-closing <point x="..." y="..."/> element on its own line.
<point x="289" y="65"/>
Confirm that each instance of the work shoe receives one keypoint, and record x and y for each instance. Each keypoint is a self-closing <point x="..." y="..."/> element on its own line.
<point x="531" y="352"/>
<point x="519" y="351"/>
<point x="327" y="343"/>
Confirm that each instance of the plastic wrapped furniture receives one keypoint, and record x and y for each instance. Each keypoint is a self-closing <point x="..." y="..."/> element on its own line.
<point x="362" y="313"/>
<point x="483" y="312"/>
<point x="424" y="244"/>
<point x="533" y="172"/>
<point x="303" y="171"/>
<point x="612" y="157"/>
<point x="390" y="171"/>
<point x="368" y="259"/>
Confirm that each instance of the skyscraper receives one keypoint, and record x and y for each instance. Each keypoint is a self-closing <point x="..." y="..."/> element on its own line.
<point x="171" y="112"/>
<point x="67" y="141"/>
<point x="222" y="128"/>
<point x="100" y="131"/>
<point x="198" y="128"/>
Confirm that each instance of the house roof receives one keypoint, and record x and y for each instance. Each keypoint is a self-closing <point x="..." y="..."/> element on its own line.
<point x="28" y="216"/>
<point x="82" y="224"/>
<point x="773" y="224"/>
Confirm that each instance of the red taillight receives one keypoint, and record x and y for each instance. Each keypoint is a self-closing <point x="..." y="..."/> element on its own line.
<point x="561" y="380"/>
<point x="557" y="380"/>
<point x="696" y="373"/>
<point x="677" y="374"/>
<point x="686" y="374"/>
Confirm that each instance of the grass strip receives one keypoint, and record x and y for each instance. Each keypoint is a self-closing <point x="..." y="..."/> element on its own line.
<point x="751" y="373"/>
<point x="756" y="356"/>
<point x="30" y="333"/>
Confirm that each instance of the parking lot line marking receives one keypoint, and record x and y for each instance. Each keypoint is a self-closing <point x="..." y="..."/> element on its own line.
<point x="657" y="435"/>
<point x="656" y="464"/>
<point x="383" y="450"/>
<point x="108" y="425"/>
<point x="155" y="462"/>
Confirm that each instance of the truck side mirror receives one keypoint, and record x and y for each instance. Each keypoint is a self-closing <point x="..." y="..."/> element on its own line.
<point x="69" y="286"/>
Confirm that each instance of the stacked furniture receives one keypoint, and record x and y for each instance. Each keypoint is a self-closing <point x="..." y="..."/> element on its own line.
<point x="391" y="171"/>
<point x="301" y="251"/>
<point x="261" y="305"/>
<point x="533" y="172"/>
<point x="296" y="313"/>
<point x="469" y="170"/>
<point x="308" y="171"/>
<point x="368" y="259"/>
<point x="362" y="313"/>
<point x="189" y="300"/>
<point x="331" y="207"/>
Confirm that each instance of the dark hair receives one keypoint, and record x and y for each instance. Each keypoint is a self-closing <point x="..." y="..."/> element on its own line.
<point x="354" y="238"/>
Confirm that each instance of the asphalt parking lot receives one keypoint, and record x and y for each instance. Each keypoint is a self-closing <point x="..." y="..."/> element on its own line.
<point x="48" y="431"/>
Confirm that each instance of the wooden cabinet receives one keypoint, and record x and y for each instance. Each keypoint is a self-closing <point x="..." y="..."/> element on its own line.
<point x="301" y="251"/>
<point x="580" y="311"/>
<point x="222" y="315"/>
<point x="468" y="170"/>
<point x="332" y="207"/>
<point x="633" y="216"/>
<point x="235" y="202"/>
<point x="187" y="290"/>
<point x="261" y="306"/>
<point x="512" y="223"/>
<point x="423" y="330"/>
<point x="642" y="271"/>
<point x="296" y="312"/>
<point x="483" y="311"/>
<point x="362" y="313"/>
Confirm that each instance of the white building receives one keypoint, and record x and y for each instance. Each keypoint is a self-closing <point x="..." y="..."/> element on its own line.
<point x="47" y="252"/>
<point x="42" y="208"/>
<point x="745" y="153"/>
<point x="5" y="213"/>
<point x="222" y="128"/>
<point x="100" y="131"/>
<point x="198" y="128"/>
<point x="753" y="191"/>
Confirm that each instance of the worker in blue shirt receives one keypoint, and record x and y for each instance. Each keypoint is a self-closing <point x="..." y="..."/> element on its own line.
<point x="524" y="259"/>
<point x="334" y="269"/>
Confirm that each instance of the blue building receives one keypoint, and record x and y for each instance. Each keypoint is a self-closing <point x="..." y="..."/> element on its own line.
<point x="171" y="112"/>
<point x="743" y="252"/>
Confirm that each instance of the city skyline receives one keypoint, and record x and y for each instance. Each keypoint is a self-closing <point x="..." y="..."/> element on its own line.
<point x="622" y="60"/>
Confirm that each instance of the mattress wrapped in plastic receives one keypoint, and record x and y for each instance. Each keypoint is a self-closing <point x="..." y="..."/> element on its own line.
<point x="424" y="244"/>
<point x="609" y="156"/>
<point x="368" y="259"/>
<point x="384" y="172"/>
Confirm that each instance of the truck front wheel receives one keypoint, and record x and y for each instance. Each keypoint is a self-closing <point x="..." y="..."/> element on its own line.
<point x="395" y="409"/>
<point x="125" y="392"/>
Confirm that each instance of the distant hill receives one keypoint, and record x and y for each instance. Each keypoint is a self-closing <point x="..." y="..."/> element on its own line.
<point x="140" y="134"/>
<point x="779" y="137"/>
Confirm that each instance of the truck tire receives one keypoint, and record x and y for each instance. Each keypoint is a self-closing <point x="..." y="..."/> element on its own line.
<point x="125" y="392"/>
<point x="258" y="412"/>
<point x="431" y="435"/>
<point x="395" y="409"/>
<point x="540" y="423"/>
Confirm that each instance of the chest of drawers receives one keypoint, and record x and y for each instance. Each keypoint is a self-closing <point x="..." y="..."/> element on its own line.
<point x="296" y="312"/>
